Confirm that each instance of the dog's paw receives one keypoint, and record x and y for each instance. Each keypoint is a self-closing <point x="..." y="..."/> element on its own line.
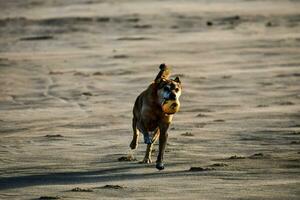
<point x="160" y="166"/>
<point x="133" y="145"/>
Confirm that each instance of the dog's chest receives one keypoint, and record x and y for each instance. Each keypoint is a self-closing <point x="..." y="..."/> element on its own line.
<point x="151" y="124"/>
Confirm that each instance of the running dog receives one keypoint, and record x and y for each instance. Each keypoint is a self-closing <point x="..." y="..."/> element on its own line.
<point x="149" y="117"/>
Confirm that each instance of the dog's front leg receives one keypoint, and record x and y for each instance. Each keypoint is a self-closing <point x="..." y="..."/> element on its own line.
<point x="147" y="158"/>
<point x="147" y="138"/>
<point x="162" y="145"/>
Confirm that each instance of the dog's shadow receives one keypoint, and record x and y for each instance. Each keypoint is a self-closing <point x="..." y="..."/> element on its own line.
<point x="96" y="176"/>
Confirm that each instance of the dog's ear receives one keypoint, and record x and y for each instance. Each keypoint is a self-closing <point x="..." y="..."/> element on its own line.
<point x="177" y="80"/>
<point x="161" y="83"/>
<point x="164" y="73"/>
<point x="163" y="66"/>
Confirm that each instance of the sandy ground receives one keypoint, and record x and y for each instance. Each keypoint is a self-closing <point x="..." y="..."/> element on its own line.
<point x="70" y="71"/>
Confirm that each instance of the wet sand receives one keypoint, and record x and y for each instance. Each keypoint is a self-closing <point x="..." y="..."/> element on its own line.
<point x="71" y="70"/>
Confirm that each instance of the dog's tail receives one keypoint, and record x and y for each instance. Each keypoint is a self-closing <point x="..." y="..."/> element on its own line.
<point x="164" y="73"/>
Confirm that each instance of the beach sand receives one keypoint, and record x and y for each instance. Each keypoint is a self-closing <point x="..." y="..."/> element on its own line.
<point x="70" y="72"/>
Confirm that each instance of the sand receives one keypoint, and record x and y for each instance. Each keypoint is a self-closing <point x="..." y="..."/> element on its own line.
<point x="71" y="70"/>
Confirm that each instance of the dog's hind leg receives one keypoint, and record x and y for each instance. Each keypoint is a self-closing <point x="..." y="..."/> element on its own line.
<point x="135" y="139"/>
<point x="147" y="158"/>
<point x="155" y="135"/>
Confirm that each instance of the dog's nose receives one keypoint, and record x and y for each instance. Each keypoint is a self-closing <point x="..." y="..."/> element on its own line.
<point x="172" y="96"/>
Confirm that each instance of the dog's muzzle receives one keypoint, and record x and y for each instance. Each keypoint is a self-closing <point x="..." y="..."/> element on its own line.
<point x="172" y="96"/>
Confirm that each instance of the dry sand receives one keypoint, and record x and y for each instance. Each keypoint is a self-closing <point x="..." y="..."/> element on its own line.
<point x="70" y="71"/>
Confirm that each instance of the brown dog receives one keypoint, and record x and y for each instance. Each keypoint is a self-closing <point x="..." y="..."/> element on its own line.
<point x="148" y="116"/>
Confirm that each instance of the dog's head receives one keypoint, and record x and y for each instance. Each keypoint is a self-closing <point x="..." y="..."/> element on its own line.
<point x="169" y="89"/>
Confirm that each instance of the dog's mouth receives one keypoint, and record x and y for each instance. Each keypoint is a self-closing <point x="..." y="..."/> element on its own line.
<point x="164" y="101"/>
<point x="173" y="105"/>
<point x="170" y="106"/>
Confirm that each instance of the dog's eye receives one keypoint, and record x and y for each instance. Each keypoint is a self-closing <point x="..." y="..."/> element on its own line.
<point x="176" y="90"/>
<point x="166" y="88"/>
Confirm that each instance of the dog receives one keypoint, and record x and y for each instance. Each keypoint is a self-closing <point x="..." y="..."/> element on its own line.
<point x="149" y="117"/>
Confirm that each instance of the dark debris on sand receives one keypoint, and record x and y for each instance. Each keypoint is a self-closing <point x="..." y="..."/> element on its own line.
<point x="201" y="115"/>
<point x="78" y="189"/>
<point x="219" y="165"/>
<point x="269" y="24"/>
<point x="188" y="134"/>
<point x="55" y="73"/>
<point x="257" y="155"/>
<point x="295" y="142"/>
<point x="219" y="120"/>
<point x="87" y="94"/>
<point x="235" y="157"/>
<point x="121" y="56"/>
<point x="42" y="37"/>
<point x="81" y="74"/>
<point x="98" y="74"/>
<point x="54" y="136"/>
<point x="209" y="23"/>
<point x="132" y="38"/>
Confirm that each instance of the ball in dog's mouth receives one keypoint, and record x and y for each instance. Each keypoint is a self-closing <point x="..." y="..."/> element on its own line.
<point x="170" y="106"/>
